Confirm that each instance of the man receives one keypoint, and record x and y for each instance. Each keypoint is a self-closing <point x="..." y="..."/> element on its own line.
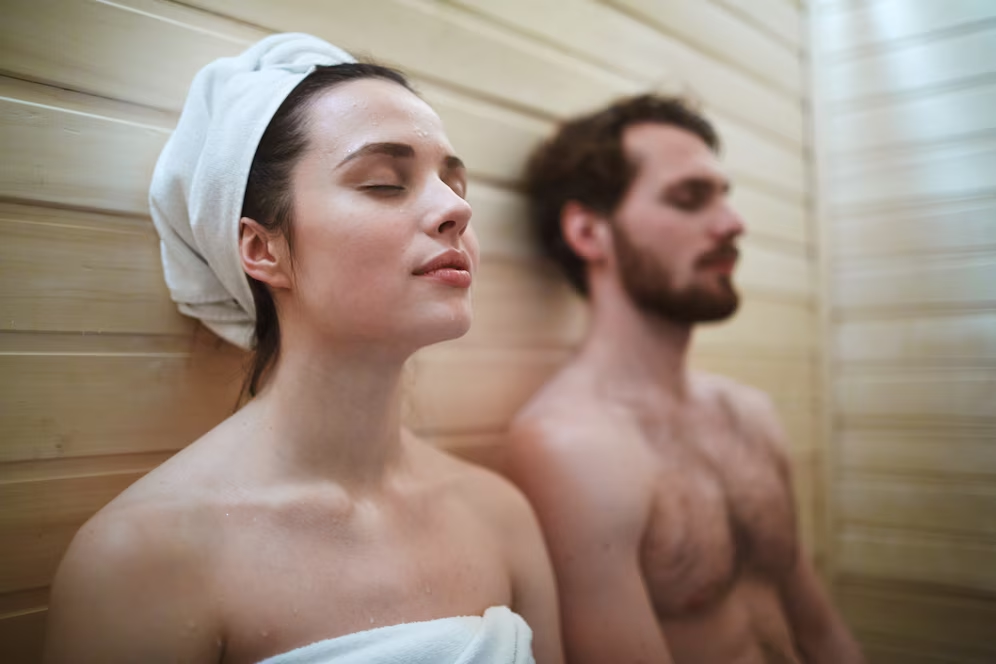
<point x="664" y="493"/>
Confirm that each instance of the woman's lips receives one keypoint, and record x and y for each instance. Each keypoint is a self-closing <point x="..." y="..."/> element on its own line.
<point x="449" y="276"/>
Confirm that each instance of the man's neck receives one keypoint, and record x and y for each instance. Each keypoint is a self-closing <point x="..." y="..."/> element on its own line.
<point x="332" y="413"/>
<point x="639" y="354"/>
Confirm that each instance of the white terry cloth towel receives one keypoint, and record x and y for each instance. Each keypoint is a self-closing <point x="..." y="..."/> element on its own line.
<point x="199" y="181"/>
<point x="499" y="637"/>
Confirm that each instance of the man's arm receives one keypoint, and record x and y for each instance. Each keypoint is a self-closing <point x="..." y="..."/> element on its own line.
<point x="593" y="509"/>
<point x="120" y="595"/>
<point x="819" y="632"/>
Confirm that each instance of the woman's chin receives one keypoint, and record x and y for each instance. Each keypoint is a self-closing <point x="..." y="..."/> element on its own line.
<point x="442" y="328"/>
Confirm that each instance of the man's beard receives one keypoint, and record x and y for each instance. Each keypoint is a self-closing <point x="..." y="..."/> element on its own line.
<point x="649" y="285"/>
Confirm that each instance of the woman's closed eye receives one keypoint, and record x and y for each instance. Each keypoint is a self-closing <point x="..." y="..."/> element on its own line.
<point x="383" y="189"/>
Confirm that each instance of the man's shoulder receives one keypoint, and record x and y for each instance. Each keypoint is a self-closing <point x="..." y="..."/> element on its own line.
<point x="751" y="407"/>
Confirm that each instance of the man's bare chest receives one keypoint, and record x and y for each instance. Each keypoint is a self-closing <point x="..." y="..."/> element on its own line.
<point x="718" y="509"/>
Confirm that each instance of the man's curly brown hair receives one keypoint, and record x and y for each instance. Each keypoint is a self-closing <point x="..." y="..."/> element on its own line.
<point x="584" y="161"/>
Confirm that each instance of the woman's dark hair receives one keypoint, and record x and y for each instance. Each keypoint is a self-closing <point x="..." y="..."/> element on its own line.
<point x="268" y="190"/>
<point x="585" y="162"/>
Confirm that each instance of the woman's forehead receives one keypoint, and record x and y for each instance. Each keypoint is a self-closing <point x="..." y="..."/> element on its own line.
<point x="369" y="111"/>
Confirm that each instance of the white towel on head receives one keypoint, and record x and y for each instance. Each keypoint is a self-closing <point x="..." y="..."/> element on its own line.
<point x="499" y="637"/>
<point x="199" y="182"/>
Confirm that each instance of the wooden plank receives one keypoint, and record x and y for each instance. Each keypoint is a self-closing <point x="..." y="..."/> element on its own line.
<point x="940" y="453"/>
<point x="917" y="282"/>
<point x="457" y="390"/>
<point x="901" y="651"/>
<point x="876" y="23"/>
<point x="896" y="555"/>
<point x="753" y="158"/>
<point x="617" y="41"/>
<point x="942" y="226"/>
<point x="957" y="61"/>
<point x="777" y="17"/>
<point x="63" y="403"/>
<point x="943" y="116"/>
<point x="87" y="276"/>
<point x="524" y="304"/>
<point x="956" y="397"/>
<point x="68" y="157"/>
<point x="770" y="215"/>
<point x="953" y="506"/>
<point x="22" y="636"/>
<point x="433" y="40"/>
<point x="966" y="339"/>
<point x="788" y="379"/>
<point x="763" y="326"/>
<point x="80" y="45"/>
<point x="39" y="520"/>
<point x="494" y="142"/>
<point x="716" y="31"/>
<point x="904" y="177"/>
<point x="770" y="271"/>
<point x="942" y="622"/>
<point x="75" y="467"/>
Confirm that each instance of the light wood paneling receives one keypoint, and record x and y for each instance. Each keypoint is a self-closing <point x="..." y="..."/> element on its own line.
<point x="93" y="276"/>
<point x="909" y="162"/>
<point x="99" y="162"/>
<point x="943" y="452"/>
<point x="954" y="508"/>
<point x="955" y="625"/>
<point x="918" y="396"/>
<point x="919" y="558"/>
<point x="966" y="339"/>
<point x="714" y="30"/>
<point x="617" y="41"/>
<point x="778" y="18"/>
<point x="940" y="226"/>
<point x="943" y="282"/>
<point x="944" y="116"/>
<point x="880" y="22"/>
<point x="918" y="69"/>
<point x="902" y="177"/>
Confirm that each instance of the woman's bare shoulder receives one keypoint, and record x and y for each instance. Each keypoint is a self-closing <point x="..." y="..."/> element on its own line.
<point x="482" y="489"/>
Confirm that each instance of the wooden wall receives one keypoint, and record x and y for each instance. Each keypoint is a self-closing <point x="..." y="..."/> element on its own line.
<point x="100" y="378"/>
<point x="907" y="134"/>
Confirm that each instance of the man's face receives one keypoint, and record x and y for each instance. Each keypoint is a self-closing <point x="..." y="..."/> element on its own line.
<point x="674" y="233"/>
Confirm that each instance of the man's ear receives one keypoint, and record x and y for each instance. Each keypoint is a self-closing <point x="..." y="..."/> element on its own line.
<point x="265" y="254"/>
<point x="586" y="232"/>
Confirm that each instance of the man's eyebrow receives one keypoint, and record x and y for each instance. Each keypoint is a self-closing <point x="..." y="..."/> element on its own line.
<point x="724" y="184"/>
<point x="396" y="150"/>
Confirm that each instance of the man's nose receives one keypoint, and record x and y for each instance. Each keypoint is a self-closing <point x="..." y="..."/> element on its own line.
<point x="729" y="224"/>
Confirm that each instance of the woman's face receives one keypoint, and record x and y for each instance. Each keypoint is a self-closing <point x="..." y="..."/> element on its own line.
<point x="382" y="247"/>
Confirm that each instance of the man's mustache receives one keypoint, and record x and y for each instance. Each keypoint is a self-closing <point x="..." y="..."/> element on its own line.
<point x="722" y="254"/>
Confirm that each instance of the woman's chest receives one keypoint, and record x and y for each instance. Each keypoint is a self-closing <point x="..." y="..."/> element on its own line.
<point x="301" y="585"/>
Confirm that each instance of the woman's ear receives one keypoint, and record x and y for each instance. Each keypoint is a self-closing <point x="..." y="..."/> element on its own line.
<point x="585" y="232"/>
<point x="265" y="254"/>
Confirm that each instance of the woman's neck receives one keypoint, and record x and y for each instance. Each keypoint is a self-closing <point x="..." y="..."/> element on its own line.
<point x="333" y="413"/>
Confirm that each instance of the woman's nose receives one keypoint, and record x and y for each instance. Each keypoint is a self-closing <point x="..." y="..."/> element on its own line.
<point x="453" y="215"/>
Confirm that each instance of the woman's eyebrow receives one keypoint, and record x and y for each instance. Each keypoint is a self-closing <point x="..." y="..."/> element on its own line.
<point x="454" y="163"/>
<point x="395" y="150"/>
<point x="399" y="151"/>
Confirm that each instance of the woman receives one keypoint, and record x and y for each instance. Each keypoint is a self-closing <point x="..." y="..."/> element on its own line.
<point x="339" y="229"/>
